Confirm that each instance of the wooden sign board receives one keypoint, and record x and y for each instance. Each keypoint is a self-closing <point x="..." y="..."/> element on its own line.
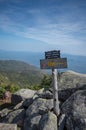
<point x="58" y="63"/>
<point x="52" y="54"/>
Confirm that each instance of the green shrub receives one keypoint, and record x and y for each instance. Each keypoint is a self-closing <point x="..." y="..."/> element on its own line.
<point x="2" y="91"/>
<point x="46" y="81"/>
<point x="12" y="88"/>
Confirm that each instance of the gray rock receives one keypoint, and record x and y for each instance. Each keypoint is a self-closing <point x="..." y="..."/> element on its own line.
<point x="61" y="122"/>
<point x="15" y="99"/>
<point x="39" y="106"/>
<point x="4" y="126"/>
<point x="46" y="95"/>
<point x="71" y="79"/>
<point x="75" y="111"/>
<point x="34" y="112"/>
<point x="69" y="82"/>
<point x="18" y="106"/>
<point x="48" y="122"/>
<point x="22" y="95"/>
<point x="66" y="93"/>
<point x="4" y="112"/>
<point x="27" y="103"/>
<point x="40" y="91"/>
<point x="32" y="123"/>
<point x="16" y="117"/>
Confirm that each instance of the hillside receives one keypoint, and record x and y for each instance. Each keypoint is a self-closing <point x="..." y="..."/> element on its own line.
<point x="18" y="73"/>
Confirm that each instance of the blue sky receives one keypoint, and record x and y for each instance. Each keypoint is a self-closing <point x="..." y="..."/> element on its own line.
<point x="42" y="25"/>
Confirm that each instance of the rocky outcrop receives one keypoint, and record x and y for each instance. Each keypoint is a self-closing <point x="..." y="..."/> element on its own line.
<point x="75" y="111"/>
<point x="22" y="94"/>
<point x="33" y="110"/>
<point x="69" y="82"/>
<point x="16" y="117"/>
<point x="66" y="93"/>
<point x="48" y="122"/>
<point x="30" y="112"/>
<point x="32" y="123"/>
<point x="71" y="79"/>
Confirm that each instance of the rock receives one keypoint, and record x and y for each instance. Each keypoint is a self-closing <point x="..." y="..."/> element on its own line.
<point x="18" y="106"/>
<point x="39" y="106"/>
<point x="22" y="95"/>
<point x="26" y="93"/>
<point x="61" y="122"/>
<point x="34" y="109"/>
<point x="48" y="122"/>
<point x="16" y="117"/>
<point x="40" y="91"/>
<point x="4" y="112"/>
<point x="27" y="103"/>
<point x="15" y="99"/>
<point x="32" y="123"/>
<point x="69" y="82"/>
<point x="4" y="126"/>
<point x="46" y="95"/>
<point x="35" y="96"/>
<point x="75" y="111"/>
<point x="66" y="93"/>
<point x="34" y="112"/>
<point x="71" y="79"/>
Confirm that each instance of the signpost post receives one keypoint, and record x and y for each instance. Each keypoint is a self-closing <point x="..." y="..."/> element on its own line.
<point x="54" y="61"/>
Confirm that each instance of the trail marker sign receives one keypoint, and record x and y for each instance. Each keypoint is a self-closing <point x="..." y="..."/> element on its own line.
<point x="52" y="54"/>
<point x="54" y="61"/>
<point x="58" y="63"/>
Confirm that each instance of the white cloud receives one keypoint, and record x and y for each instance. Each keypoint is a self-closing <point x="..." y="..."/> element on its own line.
<point x="55" y="26"/>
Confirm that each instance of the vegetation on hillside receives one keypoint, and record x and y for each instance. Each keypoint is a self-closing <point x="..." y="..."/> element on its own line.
<point x="16" y="74"/>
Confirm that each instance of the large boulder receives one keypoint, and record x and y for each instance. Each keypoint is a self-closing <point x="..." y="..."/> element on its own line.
<point x="71" y="79"/>
<point x="32" y="123"/>
<point x="4" y="112"/>
<point x="75" y="111"/>
<point x="27" y="103"/>
<point x="35" y="111"/>
<point x="21" y="95"/>
<point x="69" y="82"/>
<point x="66" y="93"/>
<point x="46" y="94"/>
<point x="48" y="122"/>
<point x="16" y="116"/>
<point x="39" y="106"/>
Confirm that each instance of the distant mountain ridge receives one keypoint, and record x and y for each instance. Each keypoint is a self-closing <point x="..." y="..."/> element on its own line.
<point x="19" y="73"/>
<point x="75" y="63"/>
<point x="16" y="66"/>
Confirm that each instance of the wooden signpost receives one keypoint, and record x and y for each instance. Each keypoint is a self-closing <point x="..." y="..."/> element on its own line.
<point x="54" y="61"/>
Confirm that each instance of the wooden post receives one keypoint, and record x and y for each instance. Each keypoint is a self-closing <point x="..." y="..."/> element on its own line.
<point x="55" y="92"/>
